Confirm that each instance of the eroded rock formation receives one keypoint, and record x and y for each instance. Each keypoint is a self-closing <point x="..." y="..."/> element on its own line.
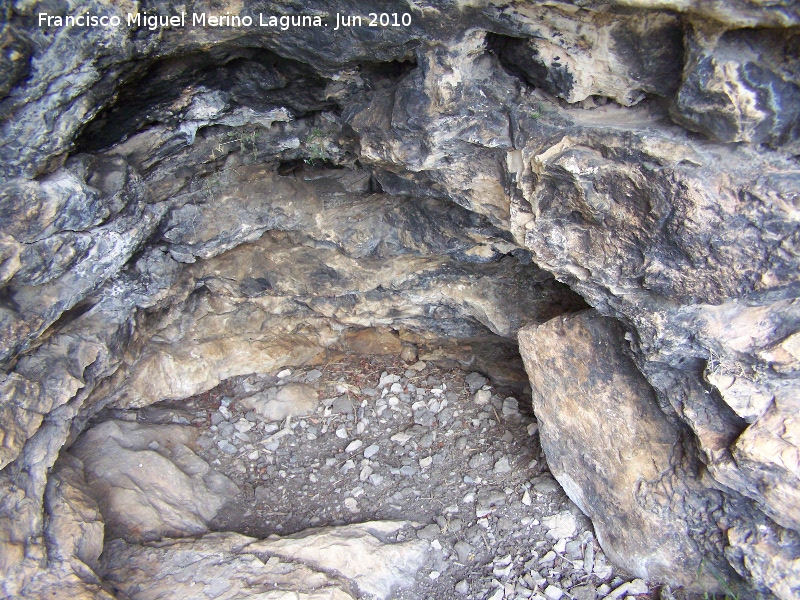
<point x="182" y="206"/>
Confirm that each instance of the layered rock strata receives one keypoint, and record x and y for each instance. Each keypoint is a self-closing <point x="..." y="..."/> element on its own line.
<point x="182" y="206"/>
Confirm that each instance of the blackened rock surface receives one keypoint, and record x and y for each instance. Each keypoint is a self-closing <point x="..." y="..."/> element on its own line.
<point x="117" y="256"/>
<point x="742" y="86"/>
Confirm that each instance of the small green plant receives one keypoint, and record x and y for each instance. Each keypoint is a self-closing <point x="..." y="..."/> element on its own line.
<point x="314" y="145"/>
<point x="716" y="366"/>
<point x="723" y="583"/>
<point x="246" y="141"/>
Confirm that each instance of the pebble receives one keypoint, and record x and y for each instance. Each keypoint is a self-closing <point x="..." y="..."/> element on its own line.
<point x="502" y="466"/>
<point x="510" y="407"/>
<point x="353" y="446"/>
<point x="313" y="375"/>
<point x="561" y="525"/>
<point x="475" y="381"/>
<point x="371" y="450"/>
<point x="400" y="438"/>
<point x="482" y="397"/>
<point x="429" y="532"/>
<point x="553" y="593"/>
<point x="408" y="354"/>
<point x="243" y="425"/>
<point x="284" y="374"/>
<point x="498" y="594"/>
<point x="226" y="447"/>
<point x="634" y="588"/>
<point x="351" y="504"/>
<point x="462" y="587"/>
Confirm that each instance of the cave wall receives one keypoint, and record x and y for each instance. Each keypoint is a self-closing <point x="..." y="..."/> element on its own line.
<point x="181" y="206"/>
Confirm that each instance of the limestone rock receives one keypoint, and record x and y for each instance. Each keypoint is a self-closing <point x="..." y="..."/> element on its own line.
<point x="147" y="494"/>
<point x="613" y="451"/>
<point x="290" y="400"/>
<point x="741" y="86"/>
<point x="183" y="208"/>
<point x="318" y="564"/>
<point x="362" y="553"/>
<point x="576" y="55"/>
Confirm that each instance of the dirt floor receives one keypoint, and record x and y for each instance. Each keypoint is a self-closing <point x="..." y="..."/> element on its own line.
<point x="383" y="438"/>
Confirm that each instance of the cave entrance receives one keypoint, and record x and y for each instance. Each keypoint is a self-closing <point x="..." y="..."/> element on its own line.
<point x="322" y="394"/>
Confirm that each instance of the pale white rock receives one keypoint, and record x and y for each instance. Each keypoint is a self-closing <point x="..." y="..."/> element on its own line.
<point x="243" y="425"/>
<point x="290" y="400"/>
<point x="553" y="593"/>
<point x="146" y="495"/>
<point x="400" y="438"/>
<point x="357" y="552"/>
<point x="561" y="525"/>
<point x="354" y="445"/>
<point x="482" y="397"/>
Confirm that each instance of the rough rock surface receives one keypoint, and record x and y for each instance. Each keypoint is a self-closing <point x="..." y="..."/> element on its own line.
<point x="617" y="455"/>
<point x="148" y="482"/>
<point x="334" y="563"/>
<point x="180" y="207"/>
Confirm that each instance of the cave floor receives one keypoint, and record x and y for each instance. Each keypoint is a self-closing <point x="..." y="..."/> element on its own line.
<point x="396" y="440"/>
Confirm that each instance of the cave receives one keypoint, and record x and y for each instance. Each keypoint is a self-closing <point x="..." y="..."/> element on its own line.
<point x="490" y="300"/>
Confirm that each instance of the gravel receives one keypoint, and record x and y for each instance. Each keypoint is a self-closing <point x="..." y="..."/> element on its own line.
<point x="418" y="442"/>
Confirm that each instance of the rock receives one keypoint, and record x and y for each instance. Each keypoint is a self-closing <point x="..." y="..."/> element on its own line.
<point x="189" y="210"/>
<point x="553" y="593"/>
<point x="482" y="397"/>
<point x="371" y="450"/>
<point x="502" y="466"/>
<point x="584" y="592"/>
<point x="239" y="566"/>
<point x="580" y="357"/>
<point x="146" y="495"/>
<point x="736" y="87"/>
<point x="634" y="588"/>
<point x="357" y="552"/>
<point x="290" y="400"/>
<point x="462" y="587"/>
<point x="475" y="381"/>
<point x="353" y="446"/>
<point x="561" y="525"/>
<point x="465" y="552"/>
<point x="510" y="408"/>
<point x="409" y="354"/>
<point x="373" y="341"/>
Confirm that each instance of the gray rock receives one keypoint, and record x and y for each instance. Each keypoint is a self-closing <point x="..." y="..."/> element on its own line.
<point x="475" y="381"/>
<point x="299" y="565"/>
<point x="290" y="400"/>
<point x="145" y="495"/>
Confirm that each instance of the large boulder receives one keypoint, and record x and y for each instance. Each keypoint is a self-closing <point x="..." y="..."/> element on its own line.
<point x="617" y="455"/>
